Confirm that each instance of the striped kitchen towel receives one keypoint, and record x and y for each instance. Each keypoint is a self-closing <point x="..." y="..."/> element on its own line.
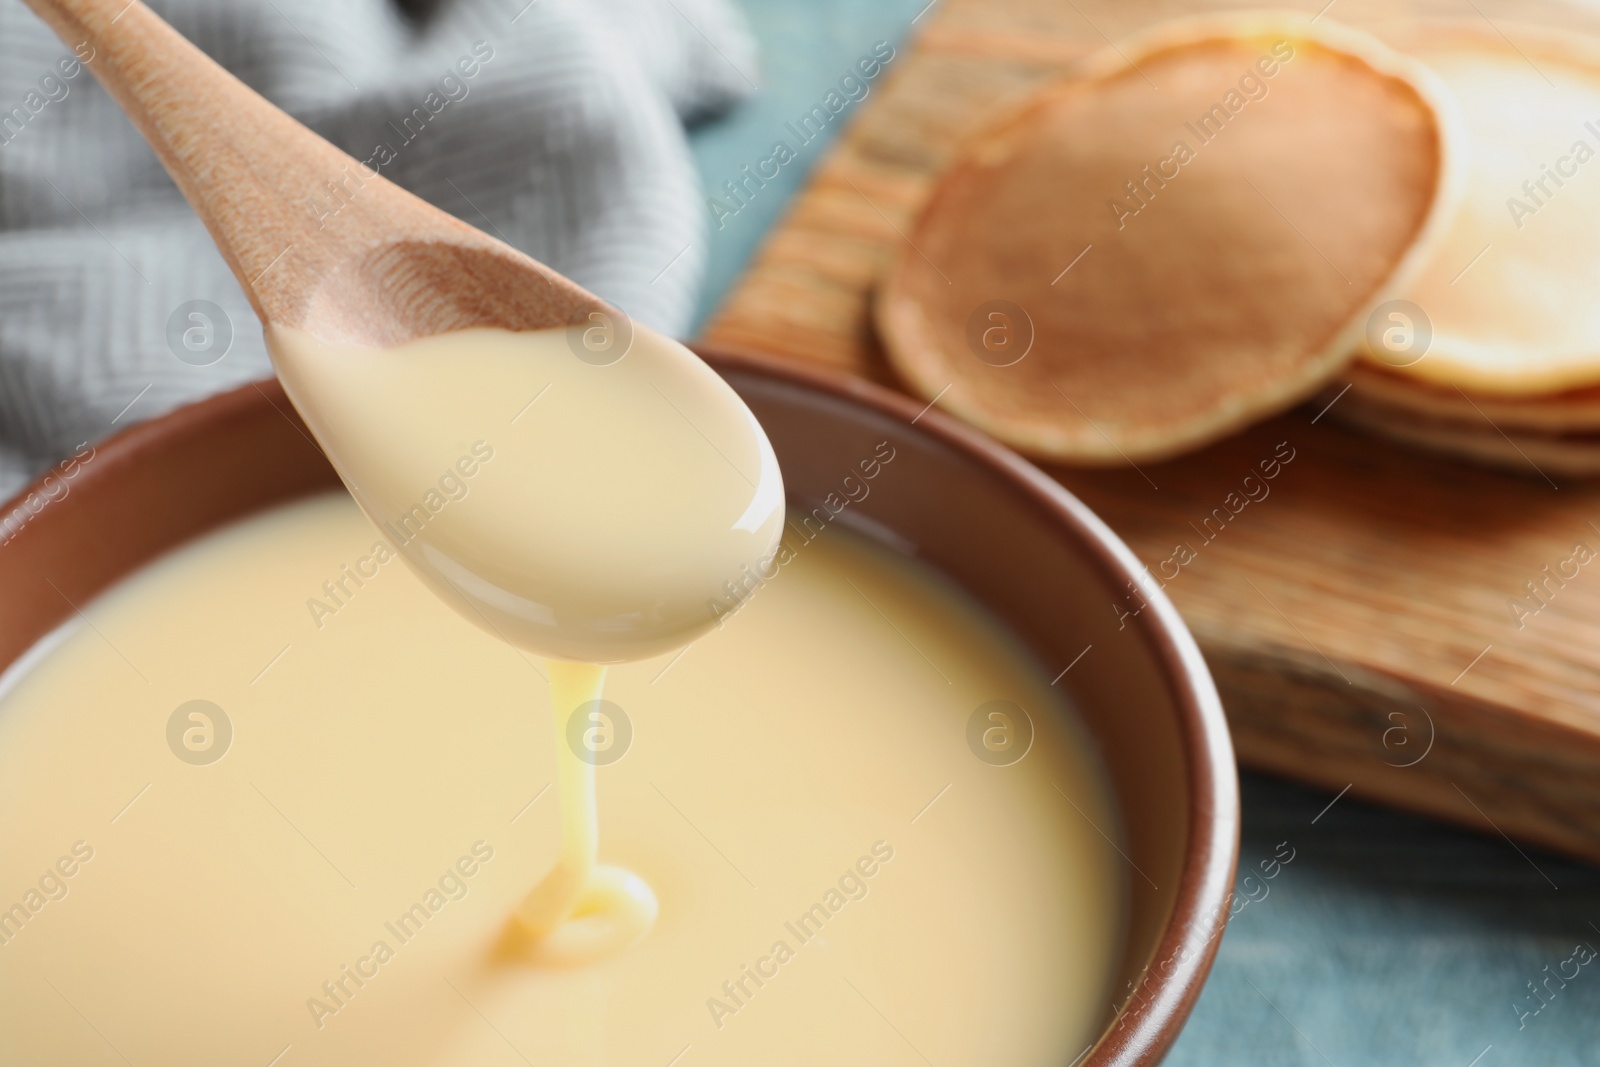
<point x="554" y="124"/>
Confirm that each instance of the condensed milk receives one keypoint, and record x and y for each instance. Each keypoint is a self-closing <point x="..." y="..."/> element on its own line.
<point x="235" y="828"/>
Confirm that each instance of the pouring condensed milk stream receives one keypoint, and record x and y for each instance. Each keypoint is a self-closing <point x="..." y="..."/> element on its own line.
<point x="610" y="483"/>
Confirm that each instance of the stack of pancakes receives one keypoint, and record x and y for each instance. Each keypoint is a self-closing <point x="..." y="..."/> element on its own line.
<point x="1218" y="219"/>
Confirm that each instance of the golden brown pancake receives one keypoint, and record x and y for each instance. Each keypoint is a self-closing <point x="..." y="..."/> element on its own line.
<point x="1511" y="292"/>
<point x="1574" y="411"/>
<point x="1485" y="442"/>
<point x="1184" y="237"/>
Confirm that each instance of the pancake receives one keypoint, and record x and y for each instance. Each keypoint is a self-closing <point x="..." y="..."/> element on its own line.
<point x="1112" y="272"/>
<point x="1574" y="411"/>
<point x="1519" y="319"/>
<point x="1485" y="441"/>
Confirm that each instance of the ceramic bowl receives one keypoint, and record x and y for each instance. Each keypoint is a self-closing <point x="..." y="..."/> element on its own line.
<point x="1008" y="533"/>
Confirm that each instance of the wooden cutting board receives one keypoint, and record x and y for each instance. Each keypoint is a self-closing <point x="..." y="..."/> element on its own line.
<point x="1359" y="618"/>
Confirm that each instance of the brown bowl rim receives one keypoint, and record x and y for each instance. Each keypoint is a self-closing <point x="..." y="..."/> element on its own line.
<point x="1164" y="999"/>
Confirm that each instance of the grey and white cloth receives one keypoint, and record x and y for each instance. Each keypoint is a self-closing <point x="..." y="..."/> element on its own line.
<point x="567" y="140"/>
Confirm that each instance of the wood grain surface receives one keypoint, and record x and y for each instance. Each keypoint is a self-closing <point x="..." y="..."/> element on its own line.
<point x="1361" y="616"/>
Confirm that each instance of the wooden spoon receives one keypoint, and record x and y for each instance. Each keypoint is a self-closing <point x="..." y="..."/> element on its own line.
<point x="386" y="269"/>
<point x="656" y="442"/>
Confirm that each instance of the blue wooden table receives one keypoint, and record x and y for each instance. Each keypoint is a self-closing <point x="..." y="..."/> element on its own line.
<point x="1389" y="939"/>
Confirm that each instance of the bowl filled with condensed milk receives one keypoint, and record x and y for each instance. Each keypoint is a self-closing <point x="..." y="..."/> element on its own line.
<point x="918" y="795"/>
<point x="505" y="682"/>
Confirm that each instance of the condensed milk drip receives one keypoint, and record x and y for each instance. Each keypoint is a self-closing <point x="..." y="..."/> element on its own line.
<point x="582" y="911"/>
<point x="585" y="502"/>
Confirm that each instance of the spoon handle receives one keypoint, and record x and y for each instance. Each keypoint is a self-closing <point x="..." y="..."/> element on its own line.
<point x="245" y="166"/>
<point x="262" y="183"/>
